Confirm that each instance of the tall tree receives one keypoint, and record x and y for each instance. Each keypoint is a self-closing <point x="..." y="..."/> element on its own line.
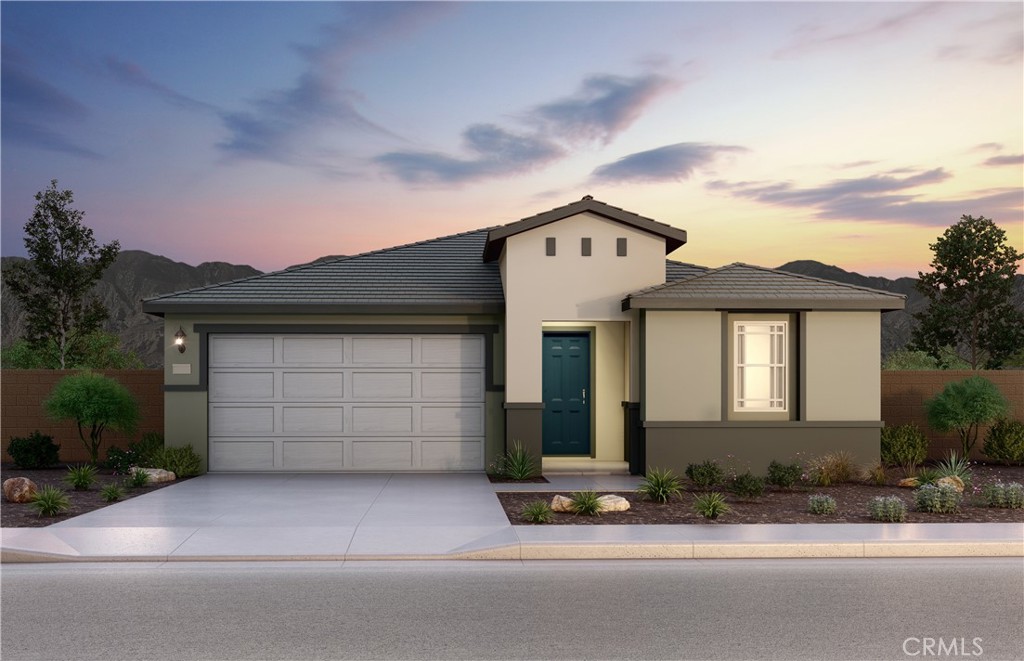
<point x="970" y="295"/>
<point x="54" y="285"/>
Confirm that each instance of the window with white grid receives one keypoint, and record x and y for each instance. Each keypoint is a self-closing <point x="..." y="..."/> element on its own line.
<point x="760" y="377"/>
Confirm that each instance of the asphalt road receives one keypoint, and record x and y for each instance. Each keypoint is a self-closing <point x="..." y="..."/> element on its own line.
<point x="724" y="609"/>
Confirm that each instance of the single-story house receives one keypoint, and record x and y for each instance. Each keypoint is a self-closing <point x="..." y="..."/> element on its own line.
<point x="567" y="332"/>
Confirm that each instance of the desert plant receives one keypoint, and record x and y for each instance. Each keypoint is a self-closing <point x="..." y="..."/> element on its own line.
<point x="1005" y="495"/>
<point x="112" y="493"/>
<point x="537" y="512"/>
<point x="819" y="503"/>
<point x="955" y="466"/>
<point x="516" y="464"/>
<point x="585" y="502"/>
<point x="33" y="451"/>
<point x="137" y="479"/>
<point x="937" y="499"/>
<point x="659" y="485"/>
<point x="50" y="501"/>
<point x="964" y="406"/>
<point x="927" y="475"/>
<point x="784" y="475"/>
<point x="711" y="505"/>
<point x="890" y="509"/>
<point x="705" y="474"/>
<point x="1005" y="442"/>
<point x="832" y="468"/>
<point x="182" y="461"/>
<point x="81" y="477"/>
<point x="905" y="446"/>
<point x="747" y="486"/>
<point x="96" y="403"/>
<point x="876" y="475"/>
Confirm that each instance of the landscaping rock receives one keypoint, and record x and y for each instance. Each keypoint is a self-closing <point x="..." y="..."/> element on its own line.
<point x="156" y="475"/>
<point x="909" y="483"/>
<point x="19" y="490"/>
<point x="561" y="504"/>
<point x="951" y="480"/>
<point x="611" y="503"/>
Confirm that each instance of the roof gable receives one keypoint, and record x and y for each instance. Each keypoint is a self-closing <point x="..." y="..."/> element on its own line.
<point x="744" y="286"/>
<point x="674" y="237"/>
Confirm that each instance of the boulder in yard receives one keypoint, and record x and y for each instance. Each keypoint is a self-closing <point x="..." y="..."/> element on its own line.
<point x="19" y="490"/>
<point x="561" y="504"/>
<point x="909" y="483"/>
<point x="612" y="503"/>
<point x="156" y="475"/>
<point x="951" y="480"/>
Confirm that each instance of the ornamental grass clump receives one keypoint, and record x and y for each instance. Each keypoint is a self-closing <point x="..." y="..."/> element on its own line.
<point x="137" y="479"/>
<point x="937" y="499"/>
<point x="819" y="503"/>
<point x="890" y="509"/>
<point x="1006" y="495"/>
<point x="516" y="464"/>
<point x="660" y="485"/>
<point x="537" y="512"/>
<point x="876" y="475"/>
<point x="711" y="505"/>
<point x="830" y="469"/>
<point x="112" y="493"/>
<point x="50" y="501"/>
<point x="81" y="477"/>
<point x="585" y="502"/>
<point x="784" y="475"/>
<point x="706" y="474"/>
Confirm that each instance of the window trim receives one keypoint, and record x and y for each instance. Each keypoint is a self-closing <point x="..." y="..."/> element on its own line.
<point x="794" y="367"/>
<point x="778" y="366"/>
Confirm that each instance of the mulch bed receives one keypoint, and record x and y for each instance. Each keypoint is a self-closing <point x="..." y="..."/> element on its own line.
<point x="785" y="506"/>
<point x="23" y="515"/>
<point x="497" y="479"/>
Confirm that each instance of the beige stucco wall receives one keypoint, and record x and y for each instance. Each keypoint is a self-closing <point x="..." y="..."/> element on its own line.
<point x="683" y="366"/>
<point x="843" y="381"/>
<point x="608" y="383"/>
<point x="185" y="415"/>
<point x="568" y="287"/>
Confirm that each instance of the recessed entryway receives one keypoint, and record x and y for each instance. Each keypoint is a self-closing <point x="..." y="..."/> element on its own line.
<point x="567" y="395"/>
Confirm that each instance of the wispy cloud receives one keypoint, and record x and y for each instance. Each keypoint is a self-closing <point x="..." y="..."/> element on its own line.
<point x="1007" y="159"/>
<point x="493" y="152"/>
<point x="603" y="107"/>
<point x="814" y="37"/>
<point x="33" y="109"/>
<point x="883" y="198"/>
<point x="133" y="75"/>
<point x="669" y="163"/>
<point x="282" y="125"/>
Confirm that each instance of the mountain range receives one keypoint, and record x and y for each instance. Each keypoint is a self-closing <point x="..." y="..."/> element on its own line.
<point x="137" y="274"/>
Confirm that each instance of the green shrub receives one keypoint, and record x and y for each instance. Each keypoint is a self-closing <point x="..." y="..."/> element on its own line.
<point x="830" y="469"/>
<point x="537" y="512"/>
<point x="659" y="485"/>
<point x="516" y="464"/>
<point x="148" y="448"/>
<point x="33" y="451"/>
<point x="585" y="502"/>
<point x="1005" y="442"/>
<point x="927" y="475"/>
<point x="1005" y="495"/>
<point x="137" y="479"/>
<point x="964" y="406"/>
<point x="819" y="503"/>
<point x="890" y="509"/>
<point x="50" y="501"/>
<point x="121" y="461"/>
<point x="182" y="461"/>
<point x="711" y="505"/>
<point x="747" y="486"/>
<point x="905" y="446"/>
<point x="784" y="475"/>
<point x="706" y="474"/>
<point x="112" y="493"/>
<point x="937" y="499"/>
<point x="81" y="477"/>
<point x="96" y="403"/>
<point x="876" y="475"/>
<point x="955" y="466"/>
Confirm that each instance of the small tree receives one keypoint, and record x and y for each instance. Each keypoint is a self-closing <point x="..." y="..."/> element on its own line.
<point x="63" y="266"/>
<point x="98" y="351"/>
<point x="964" y="406"/>
<point x="96" y="403"/>
<point x="970" y="295"/>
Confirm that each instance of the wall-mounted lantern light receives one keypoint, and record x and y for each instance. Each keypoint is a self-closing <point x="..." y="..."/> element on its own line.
<point x="179" y="339"/>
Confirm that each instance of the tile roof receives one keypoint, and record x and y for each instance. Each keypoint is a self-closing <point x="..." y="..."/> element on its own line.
<point x="743" y="286"/>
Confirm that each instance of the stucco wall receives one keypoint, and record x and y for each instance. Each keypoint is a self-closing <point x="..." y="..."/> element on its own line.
<point x="683" y="366"/>
<point x="22" y="393"/>
<point x="841" y="365"/>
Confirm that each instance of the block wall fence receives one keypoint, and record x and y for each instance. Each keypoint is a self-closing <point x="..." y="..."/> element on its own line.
<point x="905" y="392"/>
<point x="22" y="393"/>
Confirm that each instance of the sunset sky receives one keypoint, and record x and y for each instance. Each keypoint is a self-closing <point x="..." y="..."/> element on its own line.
<point x="271" y="134"/>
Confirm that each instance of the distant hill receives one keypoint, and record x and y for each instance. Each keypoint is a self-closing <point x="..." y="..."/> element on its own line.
<point x="897" y="325"/>
<point x="138" y="274"/>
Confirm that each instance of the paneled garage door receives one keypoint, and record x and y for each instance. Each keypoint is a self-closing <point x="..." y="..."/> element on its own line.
<point x="346" y="402"/>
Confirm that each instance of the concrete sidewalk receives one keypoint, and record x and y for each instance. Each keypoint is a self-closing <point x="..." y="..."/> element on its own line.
<point x="434" y="516"/>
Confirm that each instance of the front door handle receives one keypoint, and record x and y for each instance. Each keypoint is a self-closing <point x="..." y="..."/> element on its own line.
<point x="584" y="395"/>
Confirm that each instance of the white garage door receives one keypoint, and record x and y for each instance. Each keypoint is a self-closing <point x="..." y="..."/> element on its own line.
<point x="346" y="402"/>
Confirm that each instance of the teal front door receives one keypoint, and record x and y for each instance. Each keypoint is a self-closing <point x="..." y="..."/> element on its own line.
<point x="566" y="419"/>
